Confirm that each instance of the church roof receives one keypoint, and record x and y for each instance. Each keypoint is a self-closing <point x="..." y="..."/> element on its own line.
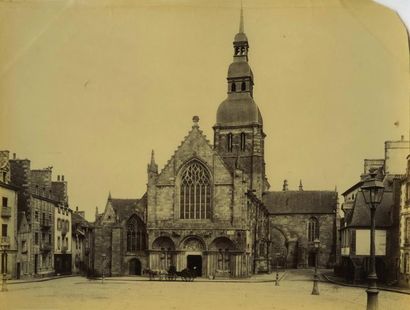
<point x="300" y="202"/>
<point x="240" y="69"/>
<point x="124" y="208"/>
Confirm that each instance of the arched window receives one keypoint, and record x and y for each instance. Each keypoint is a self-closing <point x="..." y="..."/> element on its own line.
<point x="243" y="141"/>
<point x="243" y="86"/>
<point x="229" y="141"/>
<point x="135" y="235"/>
<point x="195" y="192"/>
<point x="313" y="229"/>
<point x="407" y="231"/>
<point x="233" y="87"/>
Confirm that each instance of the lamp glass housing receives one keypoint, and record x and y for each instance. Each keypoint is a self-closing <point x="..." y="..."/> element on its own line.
<point x="372" y="191"/>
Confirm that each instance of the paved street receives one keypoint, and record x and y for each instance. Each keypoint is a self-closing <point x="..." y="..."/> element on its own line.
<point x="293" y="293"/>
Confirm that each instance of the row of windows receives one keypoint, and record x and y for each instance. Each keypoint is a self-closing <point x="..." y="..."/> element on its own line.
<point x="63" y="243"/>
<point x="233" y="87"/>
<point x="62" y="211"/>
<point x="229" y="141"/>
<point x="63" y="224"/>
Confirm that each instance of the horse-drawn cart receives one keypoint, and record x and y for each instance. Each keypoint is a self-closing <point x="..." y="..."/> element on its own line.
<point x="171" y="275"/>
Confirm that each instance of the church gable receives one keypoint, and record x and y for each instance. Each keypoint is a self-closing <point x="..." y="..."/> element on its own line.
<point x="109" y="215"/>
<point x="195" y="146"/>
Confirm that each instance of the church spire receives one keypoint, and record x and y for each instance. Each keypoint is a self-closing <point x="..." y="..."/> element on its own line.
<point x="152" y="166"/>
<point x="241" y="27"/>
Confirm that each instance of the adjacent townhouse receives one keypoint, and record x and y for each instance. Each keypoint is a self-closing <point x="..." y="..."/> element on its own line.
<point x="355" y="225"/>
<point x="8" y="219"/>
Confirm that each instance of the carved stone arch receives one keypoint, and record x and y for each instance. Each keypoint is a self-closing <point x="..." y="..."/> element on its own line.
<point x="163" y="243"/>
<point x="279" y="246"/>
<point x="222" y="243"/>
<point x="193" y="243"/>
<point x="192" y="159"/>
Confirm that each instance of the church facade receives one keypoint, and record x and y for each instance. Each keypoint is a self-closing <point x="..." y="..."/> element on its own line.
<point x="207" y="208"/>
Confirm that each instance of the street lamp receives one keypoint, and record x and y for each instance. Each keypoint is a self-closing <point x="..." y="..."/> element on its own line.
<point x="277" y="269"/>
<point x="315" y="290"/>
<point x="372" y="190"/>
<point x="4" y="246"/>
<point x="103" y="267"/>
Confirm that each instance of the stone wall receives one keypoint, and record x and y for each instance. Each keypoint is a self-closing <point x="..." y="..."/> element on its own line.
<point x="294" y="229"/>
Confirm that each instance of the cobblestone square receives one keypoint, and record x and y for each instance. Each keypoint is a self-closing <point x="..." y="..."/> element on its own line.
<point x="294" y="292"/>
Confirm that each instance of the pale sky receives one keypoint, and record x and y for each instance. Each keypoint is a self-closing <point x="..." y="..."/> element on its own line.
<point x="91" y="87"/>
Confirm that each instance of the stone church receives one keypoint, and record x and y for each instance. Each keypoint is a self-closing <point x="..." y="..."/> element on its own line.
<point x="209" y="207"/>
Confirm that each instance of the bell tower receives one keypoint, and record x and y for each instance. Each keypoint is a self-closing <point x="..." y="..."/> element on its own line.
<point x="238" y="131"/>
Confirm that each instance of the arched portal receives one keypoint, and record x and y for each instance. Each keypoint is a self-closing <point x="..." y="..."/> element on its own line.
<point x="221" y="256"/>
<point x="164" y="249"/>
<point x="279" y="248"/>
<point x="134" y="267"/>
<point x="194" y="248"/>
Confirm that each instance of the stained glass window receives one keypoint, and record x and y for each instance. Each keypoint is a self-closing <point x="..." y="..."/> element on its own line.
<point x="195" y="192"/>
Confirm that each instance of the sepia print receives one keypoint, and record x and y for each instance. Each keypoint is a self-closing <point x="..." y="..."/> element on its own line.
<point x="217" y="154"/>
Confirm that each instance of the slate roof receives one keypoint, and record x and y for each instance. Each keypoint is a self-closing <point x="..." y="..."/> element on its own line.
<point x="124" y="208"/>
<point x="78" y="219"/>
<point x="300" y="202"/>
<point x="360" y="216"/>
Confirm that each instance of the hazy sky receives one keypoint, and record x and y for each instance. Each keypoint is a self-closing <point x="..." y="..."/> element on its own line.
<point x="90" y="87"/>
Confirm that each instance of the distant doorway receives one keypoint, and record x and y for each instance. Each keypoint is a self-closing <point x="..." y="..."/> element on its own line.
<point x="194" y="262"/>
<point x="135" y="267"/>
<point x="311" y="259"/>
<point x="35" y="263"/>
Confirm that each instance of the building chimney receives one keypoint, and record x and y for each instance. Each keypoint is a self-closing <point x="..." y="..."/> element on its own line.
<point x="62" y="178"/>
<point x="14" y="155"/>
<point x="76" y="209"/>
<point x="285" y="185"/>
<point x="58" y="178"/>
<point x="300" y="186"/>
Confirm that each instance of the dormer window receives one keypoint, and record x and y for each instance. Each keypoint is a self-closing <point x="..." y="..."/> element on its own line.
<point x="233" y="87"/>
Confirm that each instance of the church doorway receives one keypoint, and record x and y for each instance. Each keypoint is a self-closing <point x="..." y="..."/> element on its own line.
<point x="194" y="262"/>
<point x="135" y="267"/>
<point x="312" y="259"/>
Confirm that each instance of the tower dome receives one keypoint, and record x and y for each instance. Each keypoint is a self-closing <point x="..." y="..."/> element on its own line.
<point x="239" y="108"/>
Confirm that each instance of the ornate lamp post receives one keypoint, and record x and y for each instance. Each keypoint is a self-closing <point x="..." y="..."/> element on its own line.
<point x="277" y="269"/>
<point x="4" y="246"/>
<point x="103" y="267"/>
<point x="315" y="290"/>
<point x="372" y="190"/>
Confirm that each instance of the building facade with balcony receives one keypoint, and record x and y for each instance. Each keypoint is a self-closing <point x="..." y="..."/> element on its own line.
<point x="41" y="247"/>
<point x="8" y="218"/>
<point x="39" y="200"/>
